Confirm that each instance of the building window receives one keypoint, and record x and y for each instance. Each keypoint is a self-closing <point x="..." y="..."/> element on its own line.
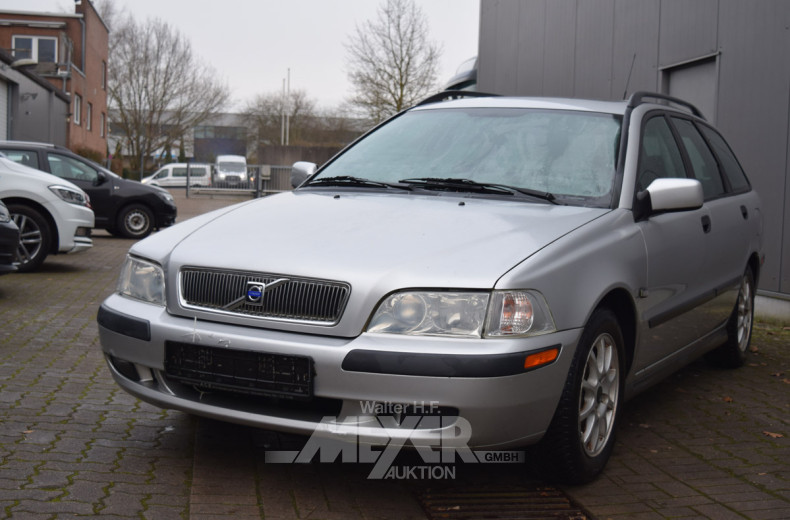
<point x="102" y="123"/>
<point x="104" y="75"/>
<point x="77" y="108"/>
<point x="89" y="116"/>
<point x="40" y="48"/>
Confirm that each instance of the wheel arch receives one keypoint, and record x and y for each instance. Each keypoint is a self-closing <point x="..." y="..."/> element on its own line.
<point x="55" y="235"/>
<point x="754" y="265"/>
<point x="620" y="302"/>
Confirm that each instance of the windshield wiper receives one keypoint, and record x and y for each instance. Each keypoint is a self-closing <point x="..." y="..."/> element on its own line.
<point x="348" y="180"/>
<point x="479" y="187"/>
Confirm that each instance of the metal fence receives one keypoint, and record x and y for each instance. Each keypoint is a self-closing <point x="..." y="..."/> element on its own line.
<point x="260" y="180"/>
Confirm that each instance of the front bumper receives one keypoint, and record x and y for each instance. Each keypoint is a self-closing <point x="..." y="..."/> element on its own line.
<point x="74" y="228"/>
<point x="503" y="407"/>
<point x="166" y="215"/>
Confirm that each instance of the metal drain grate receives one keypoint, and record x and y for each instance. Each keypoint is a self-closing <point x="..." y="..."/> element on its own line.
<point x="525" y="503"/>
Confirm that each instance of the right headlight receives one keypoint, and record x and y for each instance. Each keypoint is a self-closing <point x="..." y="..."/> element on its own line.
<point x="142" y="280"/>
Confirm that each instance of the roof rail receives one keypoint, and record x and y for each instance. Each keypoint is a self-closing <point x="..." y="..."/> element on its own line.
<point x="637" y="98"/>
<point x="453" y="94"/>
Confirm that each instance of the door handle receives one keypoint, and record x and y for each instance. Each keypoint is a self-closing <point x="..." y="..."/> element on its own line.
<point x="744" y="213"/>
<point x="706" y="224"/>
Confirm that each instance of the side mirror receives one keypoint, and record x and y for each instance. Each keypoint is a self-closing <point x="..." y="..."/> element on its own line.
<point x="101" y="178"/>
<point x="669" y="195"/>
<point x="300" y="171"/>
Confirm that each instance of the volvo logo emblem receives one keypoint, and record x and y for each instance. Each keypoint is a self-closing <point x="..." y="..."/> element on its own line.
<point x="254" y="295"/>
<point x="255" y="292"/>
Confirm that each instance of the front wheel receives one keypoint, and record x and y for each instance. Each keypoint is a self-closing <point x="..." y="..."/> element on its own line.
<point x="580" y="439"/>
<point x="135" y="221"/>
<point x="732" y="354"/>
<point x="35" y="236"/>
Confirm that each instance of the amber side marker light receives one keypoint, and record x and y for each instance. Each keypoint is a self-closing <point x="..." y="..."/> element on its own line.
<point x="541" y="358"/>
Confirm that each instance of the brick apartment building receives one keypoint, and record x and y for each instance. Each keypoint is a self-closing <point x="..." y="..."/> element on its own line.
<point x="70" y="51"/>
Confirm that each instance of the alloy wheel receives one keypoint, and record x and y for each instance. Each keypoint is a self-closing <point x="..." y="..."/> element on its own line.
<point x="600" y="388"/>
<point x="745" y="314"/>
<point x="30" y="238"/>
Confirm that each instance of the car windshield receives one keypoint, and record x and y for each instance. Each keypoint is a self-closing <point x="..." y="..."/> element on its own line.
<point x="568" y="154"/>
<point x="232" y="167"/>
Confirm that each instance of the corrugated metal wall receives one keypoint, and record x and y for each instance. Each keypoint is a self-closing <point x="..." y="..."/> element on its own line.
<point x="3" y="109"/>
<point x="729" y="56"/>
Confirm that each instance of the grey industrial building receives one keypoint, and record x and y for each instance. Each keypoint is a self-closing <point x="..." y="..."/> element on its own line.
<point x="729" y="57"/>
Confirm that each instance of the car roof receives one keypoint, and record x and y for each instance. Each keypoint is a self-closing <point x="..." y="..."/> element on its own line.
<point x="466" y="99"/>
<point x="32" y="144"/>
<point x="546" y="103"/>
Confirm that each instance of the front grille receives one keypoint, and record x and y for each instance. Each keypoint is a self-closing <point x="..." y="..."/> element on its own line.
<point x="289" y="299"/>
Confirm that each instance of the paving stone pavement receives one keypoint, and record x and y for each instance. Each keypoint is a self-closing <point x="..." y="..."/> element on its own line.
<point x="705" y="443"/>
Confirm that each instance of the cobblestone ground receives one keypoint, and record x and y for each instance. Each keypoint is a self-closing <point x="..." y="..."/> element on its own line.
<point x="706" y="443"/>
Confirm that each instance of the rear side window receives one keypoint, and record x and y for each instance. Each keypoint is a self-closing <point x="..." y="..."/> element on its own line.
<point x="703" y="163"/>
<point x="23" y="157"/>
<point x="732" y="169"/>
<point x="659" y="156"/>
<point x="179" y="172"/>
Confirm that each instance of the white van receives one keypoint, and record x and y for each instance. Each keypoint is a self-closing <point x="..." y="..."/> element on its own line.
<point x="175" y="174"/>
<point x="230" y="169"/>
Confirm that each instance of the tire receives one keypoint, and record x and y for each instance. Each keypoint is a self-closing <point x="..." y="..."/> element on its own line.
<point x="580" y="438"/>
<point x="732" y="354"/>
<point x="135" y="221"/>
<point x="35" y="236"/>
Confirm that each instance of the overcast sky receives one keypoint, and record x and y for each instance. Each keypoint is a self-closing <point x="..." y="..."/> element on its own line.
<point x="253" y="43"/>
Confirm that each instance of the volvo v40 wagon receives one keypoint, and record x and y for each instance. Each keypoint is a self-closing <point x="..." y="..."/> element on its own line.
<point x="517" y="267"/>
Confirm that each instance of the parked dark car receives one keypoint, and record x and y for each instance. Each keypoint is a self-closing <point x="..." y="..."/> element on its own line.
<point x="9" y="241"/>
<point x="122" y="207"/>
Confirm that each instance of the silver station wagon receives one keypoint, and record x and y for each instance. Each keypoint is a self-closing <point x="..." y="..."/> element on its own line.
<point x="512" y="268"/>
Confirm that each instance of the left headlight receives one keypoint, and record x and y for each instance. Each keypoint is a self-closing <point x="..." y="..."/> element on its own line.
<point x="516" y="313"/>
<point x="142" y="280"/>
<point x="165" y="196"/>
<point x="70" y="195"/>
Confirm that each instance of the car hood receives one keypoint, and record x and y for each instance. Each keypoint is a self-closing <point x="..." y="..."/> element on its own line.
<point x="137" y="187"/>
<point x="376" y="239"/>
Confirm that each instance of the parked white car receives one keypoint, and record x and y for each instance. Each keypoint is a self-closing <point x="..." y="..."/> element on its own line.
<point x="53" y="215"/>
<point x="175" y="174"/>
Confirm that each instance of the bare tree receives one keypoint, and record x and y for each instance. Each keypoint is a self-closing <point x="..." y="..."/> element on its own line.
<point x="111" y="13"/>
<point x="264" y="116"/>
<point x="158" y="88"/>
<point x="392" y="64"/>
